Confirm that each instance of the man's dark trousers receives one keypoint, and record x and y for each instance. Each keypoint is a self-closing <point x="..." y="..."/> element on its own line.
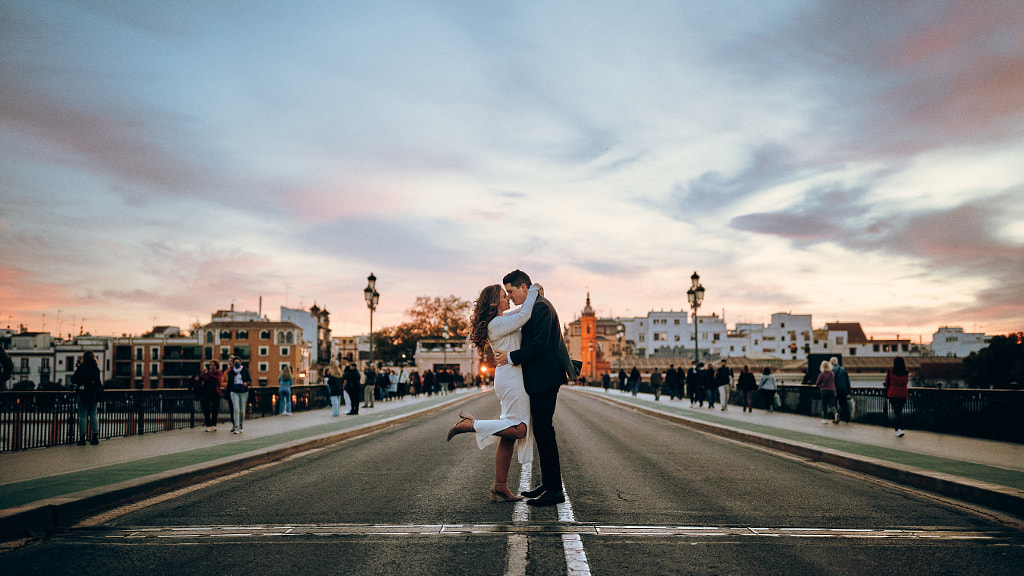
<point x="542" y="408"/>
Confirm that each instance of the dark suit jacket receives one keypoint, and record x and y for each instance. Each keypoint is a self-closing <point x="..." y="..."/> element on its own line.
<point x="543" y="355"/>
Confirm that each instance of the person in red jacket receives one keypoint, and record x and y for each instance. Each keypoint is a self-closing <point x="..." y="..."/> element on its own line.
<point x="896" y="381"/>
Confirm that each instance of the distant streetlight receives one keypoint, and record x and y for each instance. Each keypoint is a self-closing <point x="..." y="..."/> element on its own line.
<point x="695" y="295"/>
<point x="372" y="297"/>
<point x="444" y="347"/>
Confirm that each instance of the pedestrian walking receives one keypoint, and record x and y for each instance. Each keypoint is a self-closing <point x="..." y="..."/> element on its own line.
<point x="429" y="382"/>
<point x="634" y="380"/>
<point x="606" y="381"/>
<point x="767" y="387"/>
<point x="897" y="381"/>
<point x="827" y="384"/>
<point x="656" y="381"/>
<point x="209" y="394"/>
<point x="842" y="379"/>
<point x="238" y="382"/>
<point x="284" y="390"/>
<point x="622" y="379"/>
<point x="723" y="379"/>
<point x="672" y="383"/>
<point x="693" y="387"/>
<point x="746" y="387"/>
<point x="88" y="391"/>
<point x="709" y="385"/>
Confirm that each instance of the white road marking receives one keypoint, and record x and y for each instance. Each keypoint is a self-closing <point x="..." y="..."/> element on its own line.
<point x="561" y="530"/>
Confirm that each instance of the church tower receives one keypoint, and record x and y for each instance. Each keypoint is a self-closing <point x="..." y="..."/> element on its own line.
<point x="588" y="341"/>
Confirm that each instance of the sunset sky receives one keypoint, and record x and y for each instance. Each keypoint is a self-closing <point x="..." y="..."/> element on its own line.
<point x="856" y="161"/>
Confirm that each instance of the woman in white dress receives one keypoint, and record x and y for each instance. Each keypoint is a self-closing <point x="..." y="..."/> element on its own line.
<point x="492" y="325"/>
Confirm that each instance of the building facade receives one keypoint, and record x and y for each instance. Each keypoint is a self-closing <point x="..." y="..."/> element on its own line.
<point x="953" y="342"/>
<point x="264" y="345"/>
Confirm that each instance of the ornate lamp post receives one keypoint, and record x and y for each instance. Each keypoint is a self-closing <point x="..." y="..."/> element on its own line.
<point x="372" y="297"/>
<point x="695" y="295"/>
<point x="444" y="347"/>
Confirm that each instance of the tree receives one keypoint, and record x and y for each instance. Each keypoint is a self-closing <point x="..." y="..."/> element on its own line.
<point x="997" y="365"/>
<point x="429" y="316"/>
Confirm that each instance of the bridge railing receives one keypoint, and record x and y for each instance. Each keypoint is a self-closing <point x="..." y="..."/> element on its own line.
<point x="39" y="419"/>
<point x="989" y="414"/>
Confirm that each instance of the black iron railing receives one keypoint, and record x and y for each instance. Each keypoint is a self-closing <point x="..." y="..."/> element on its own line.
<point x="39" y="419"/>
<point x="990" y="414"/>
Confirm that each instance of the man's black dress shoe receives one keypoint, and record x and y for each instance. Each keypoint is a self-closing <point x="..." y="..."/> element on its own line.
<point x="547" y="499"/>
<point x="533" y="493"/>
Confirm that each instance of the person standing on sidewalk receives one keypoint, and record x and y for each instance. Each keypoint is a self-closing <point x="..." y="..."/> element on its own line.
<point x="842" y="390"/>
<point x="827" y="384"/>
<point x="209" y="394"/>
<point x="369" y="384"/>
<point x="767" y="387"/>
<point x="238" y="382"/>
<point x="88" y="389"/>
<point x="723" y="379"/>
<point x="284" y="390"/>
<point x="606" y="381"/>
<point x="352" y="388"/>
<point x="693" y="387"/>
<point x="897" y="381"/>
<point x="335" y="387"/>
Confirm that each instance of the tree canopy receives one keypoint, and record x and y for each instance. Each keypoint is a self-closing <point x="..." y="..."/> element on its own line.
<point x="998" y="365"/>
<point x="428" y="318"/>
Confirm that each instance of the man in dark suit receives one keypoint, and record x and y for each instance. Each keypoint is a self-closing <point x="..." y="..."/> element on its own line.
<point x="546" y="366"/>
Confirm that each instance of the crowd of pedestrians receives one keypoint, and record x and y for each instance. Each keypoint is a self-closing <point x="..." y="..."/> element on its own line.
<point x="703" y="382"/>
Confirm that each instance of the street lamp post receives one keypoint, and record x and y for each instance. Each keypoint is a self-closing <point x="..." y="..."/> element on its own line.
<point x="444" y="347"/>
<point x="372" y="297"/>
<point x="695" y="295"/>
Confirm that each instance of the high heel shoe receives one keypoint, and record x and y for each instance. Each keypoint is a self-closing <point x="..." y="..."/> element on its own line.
<point x="500" y="491"/>
<point x="458" y="429"/>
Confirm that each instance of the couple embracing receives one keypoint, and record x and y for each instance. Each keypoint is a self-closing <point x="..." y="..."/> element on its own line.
<point x="531" y="364"/>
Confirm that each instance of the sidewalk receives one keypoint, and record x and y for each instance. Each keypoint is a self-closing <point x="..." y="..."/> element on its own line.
<point x="46" y="488"/>
<point x="984" y="472"/>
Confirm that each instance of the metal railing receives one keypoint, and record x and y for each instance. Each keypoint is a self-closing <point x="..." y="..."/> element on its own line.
<point x="40" y="419"/>
<point x="989" y="414"/>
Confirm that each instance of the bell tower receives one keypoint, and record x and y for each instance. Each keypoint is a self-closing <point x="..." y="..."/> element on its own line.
<point x="588" y="341"/>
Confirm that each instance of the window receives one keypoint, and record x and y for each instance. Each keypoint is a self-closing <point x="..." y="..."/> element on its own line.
<point x="208" y="353"/>
<point x="154" y="353"/>
<point x="282" y="366"/>
<point x="243" y="334"/>
<point x="853" y="351"/>
<point x="225" y="334"/>
<point x="225" y="351"/>
<point x="138" y="370"/>
<point x="263" y="381"/>
<point x="642" y="337"/>
<point x="285" y="350"/>
<point x="264" y="350"/>
<point x="290" y="338"/>
<point x="263" y="366"/>
<point x="677" y="322"/>
<point x="209" y="336"/>
<point x="839" y="340"/>
<point x="677" y="337"/>
<point x="138" y="354"/>
<point x="264" y="334"/>
<point x="69" y="363"/>
<point x="154" y="369"/>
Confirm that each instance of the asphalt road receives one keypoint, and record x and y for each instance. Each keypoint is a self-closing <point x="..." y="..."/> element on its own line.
<point x="646" y="496"/>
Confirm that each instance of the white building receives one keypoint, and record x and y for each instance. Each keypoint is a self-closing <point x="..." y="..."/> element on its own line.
<point x="953" y="342"/>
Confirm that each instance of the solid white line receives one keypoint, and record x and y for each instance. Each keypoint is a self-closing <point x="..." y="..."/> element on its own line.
<point x="575" y="557"/>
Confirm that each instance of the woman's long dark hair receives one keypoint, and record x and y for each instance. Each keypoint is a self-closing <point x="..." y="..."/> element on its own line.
<point x="486" y="309"/>
<point x="89" y="358"/>
<point x="899" y="367"/>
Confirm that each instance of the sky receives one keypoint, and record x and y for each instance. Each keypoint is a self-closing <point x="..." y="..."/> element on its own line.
<point x="856" y="161"/>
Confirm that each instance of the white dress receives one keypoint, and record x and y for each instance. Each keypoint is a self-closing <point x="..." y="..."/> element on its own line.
<point x="504" y="335"/>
